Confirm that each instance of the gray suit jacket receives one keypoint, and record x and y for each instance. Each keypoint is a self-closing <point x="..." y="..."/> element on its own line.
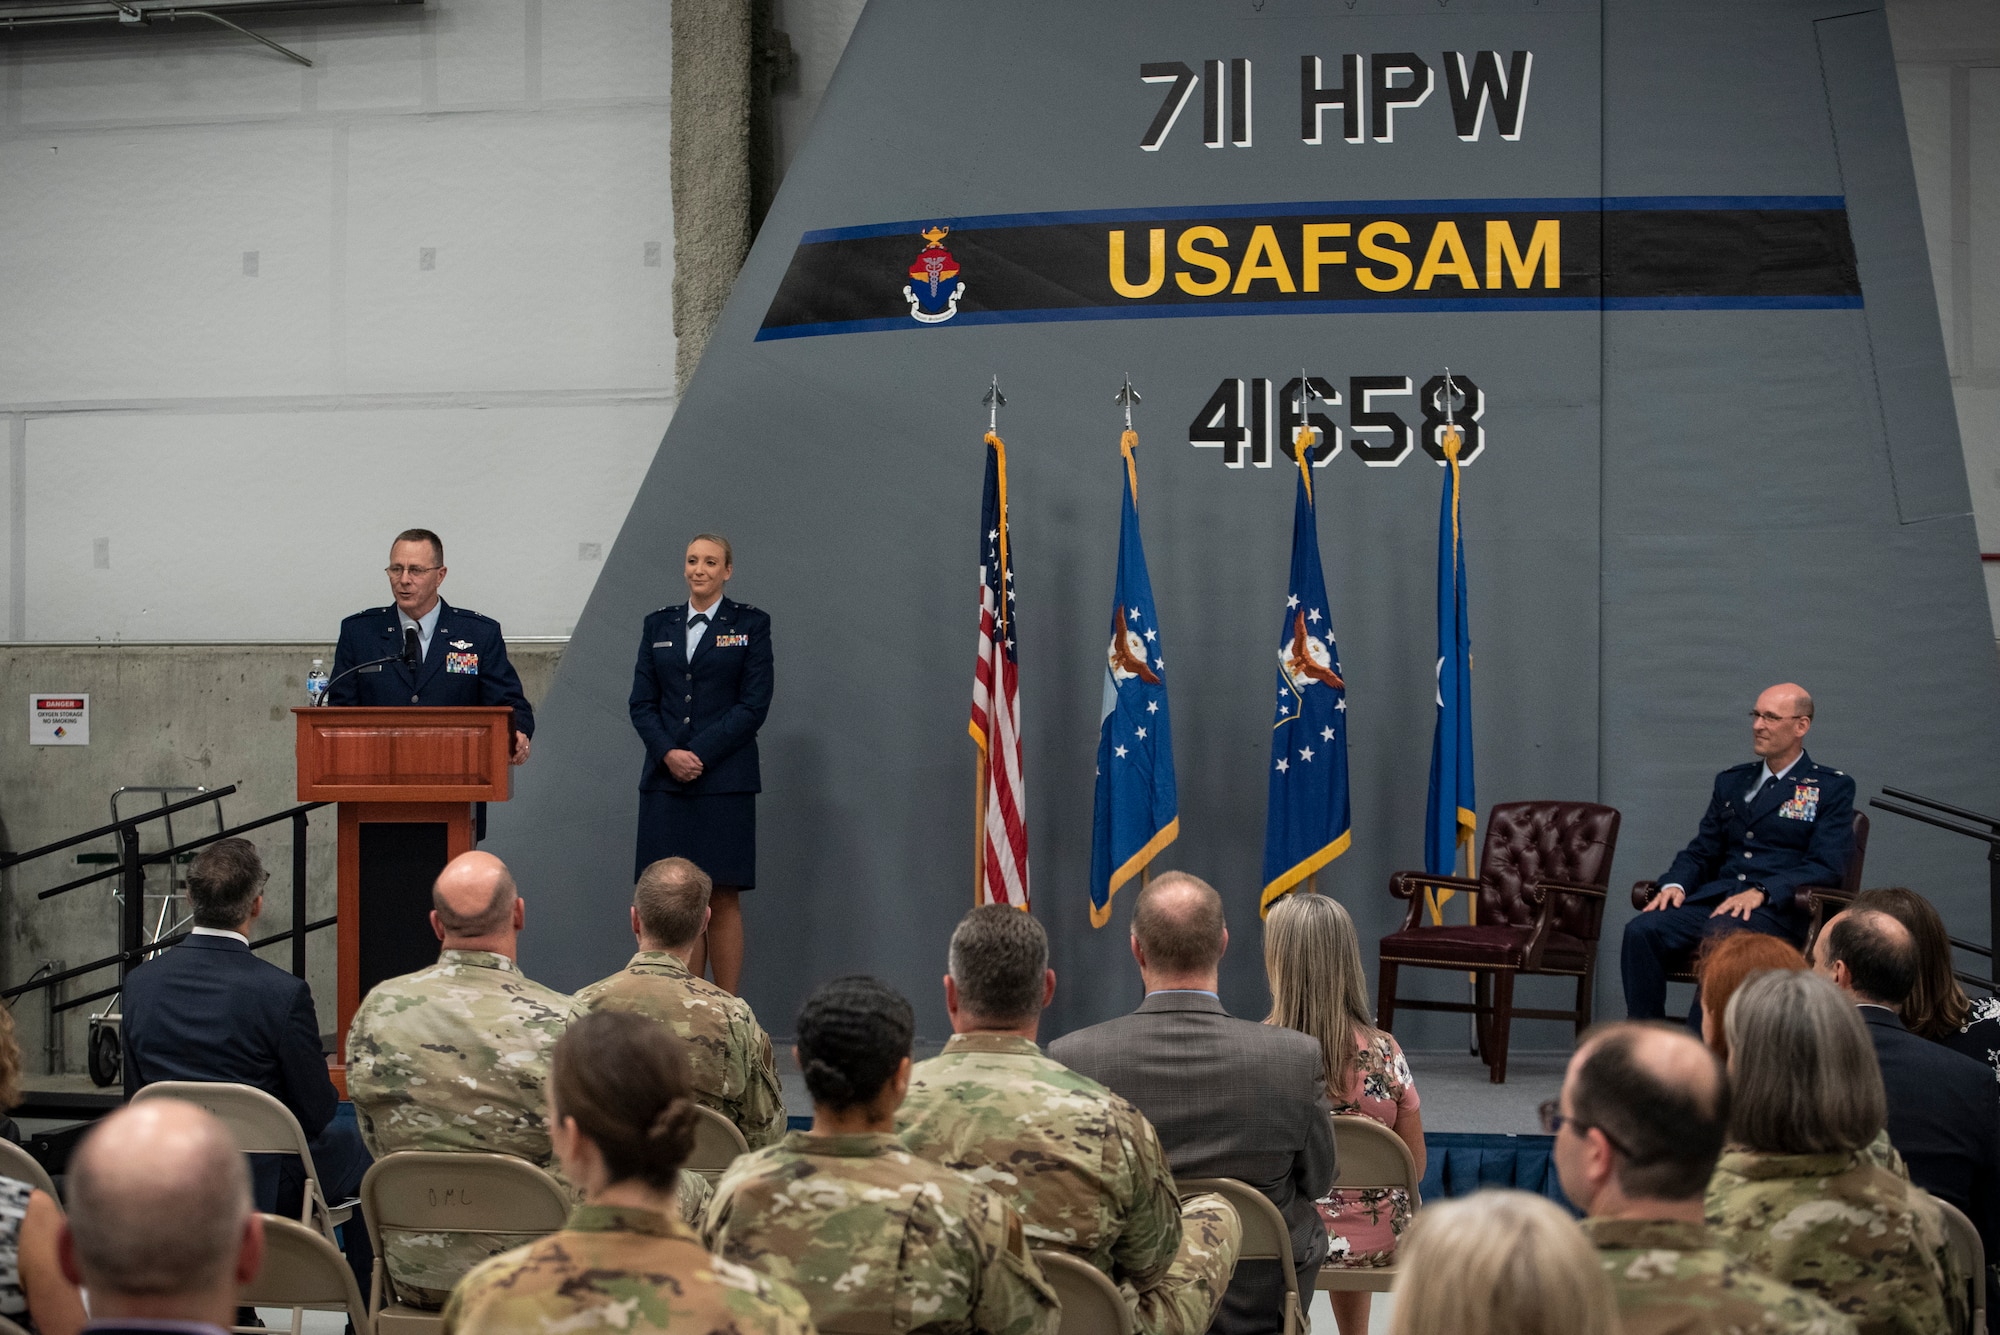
<point x="1229" y="1097"/>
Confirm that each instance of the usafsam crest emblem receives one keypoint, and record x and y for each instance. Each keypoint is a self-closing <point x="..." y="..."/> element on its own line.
<point x="933" y="290"/>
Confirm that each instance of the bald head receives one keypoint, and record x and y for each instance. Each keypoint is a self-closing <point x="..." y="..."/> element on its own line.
<point x="474" y="899"/>
<point x="1787" y="697"/>
<point x="1659" y="1099"/>
<point x="159" y="1204"/>
<point x="1177" y="926"/>
<point x="1869" y="953"/>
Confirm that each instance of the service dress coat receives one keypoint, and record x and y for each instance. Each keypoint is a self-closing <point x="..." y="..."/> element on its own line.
<point x="1797" y="831"/>
<point x="467" y="664"/>
<point x="711" y="705"/>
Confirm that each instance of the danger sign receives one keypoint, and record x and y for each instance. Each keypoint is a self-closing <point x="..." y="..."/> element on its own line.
<point x="58" y="720"/>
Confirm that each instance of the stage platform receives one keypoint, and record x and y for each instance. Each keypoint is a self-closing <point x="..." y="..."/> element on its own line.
<point x="1456" y="1095"/>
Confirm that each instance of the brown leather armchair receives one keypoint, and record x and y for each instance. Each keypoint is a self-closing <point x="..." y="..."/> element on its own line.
<point x="1819" y="900"/>
<point x="1542" y="875"/>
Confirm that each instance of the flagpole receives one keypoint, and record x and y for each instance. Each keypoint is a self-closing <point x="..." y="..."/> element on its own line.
<point x="993" y="401"/>
<point x="979" y="835"/>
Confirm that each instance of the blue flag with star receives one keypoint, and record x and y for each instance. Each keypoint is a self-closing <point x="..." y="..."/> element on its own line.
<point x="1306" y="824"/>
<point x="1138" y="809"/>
<point x="1453" y="813"/>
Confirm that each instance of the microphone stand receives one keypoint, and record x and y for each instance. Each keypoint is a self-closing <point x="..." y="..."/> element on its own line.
<point x="397" y="657"/>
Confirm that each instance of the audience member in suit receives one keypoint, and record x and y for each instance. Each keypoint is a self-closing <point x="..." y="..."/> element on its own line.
<point x="1938" y="1008"/>
<point x="1507" y="1263"/>
<point x="1944" y="1109"/>
<point x="33" y="1291"/>
<point x="1794" y="1194"/>
<point x="161" y="1227"/>
<point x="211" y="1010"/>
<point x="1229" y="1097"/>
<point x="1638" y="1127"/>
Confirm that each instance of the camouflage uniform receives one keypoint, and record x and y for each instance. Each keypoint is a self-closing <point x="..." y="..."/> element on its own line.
<point x="878" y="1239"/>
<point x="617" y="1268"/>
<point x="1085" y="1169"/>
<point x="1843" y="1229"/>
<point x="734" y="1071"/>
<point x="454" y="1057"/>
<point x="1672" y="1279"/>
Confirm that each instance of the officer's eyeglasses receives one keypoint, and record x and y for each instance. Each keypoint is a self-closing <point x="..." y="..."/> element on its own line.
<point x="397" y="572"/>
<point x="1760" y="716"/>
<point x="1554" y="1119"/>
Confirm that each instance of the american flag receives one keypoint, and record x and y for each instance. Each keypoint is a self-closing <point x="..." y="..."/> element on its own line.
<point x="996" y="700"/>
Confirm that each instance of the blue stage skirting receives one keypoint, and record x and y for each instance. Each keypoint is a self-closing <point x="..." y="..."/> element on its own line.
<point x="1458" y="1165"/>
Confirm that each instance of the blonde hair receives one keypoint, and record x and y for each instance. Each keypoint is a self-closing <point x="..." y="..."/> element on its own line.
<point x="728" y="552"/>
<point x="1312" y="959"/>
<point x="1517" y="1264"/>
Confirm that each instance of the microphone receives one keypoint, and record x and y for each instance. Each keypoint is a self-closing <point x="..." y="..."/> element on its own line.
<point x="411" y="657"/>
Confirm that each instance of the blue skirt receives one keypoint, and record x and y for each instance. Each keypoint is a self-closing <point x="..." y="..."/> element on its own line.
<point x="717" y="832"/>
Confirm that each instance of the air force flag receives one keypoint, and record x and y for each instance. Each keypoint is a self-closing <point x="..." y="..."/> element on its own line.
<point x="1138" y="810"/>
<point x="1306" y="825"/>
<point x="1453" y="813"/>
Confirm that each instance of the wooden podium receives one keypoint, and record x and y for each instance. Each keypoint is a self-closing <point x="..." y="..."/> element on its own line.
<point x="405" y="779"/>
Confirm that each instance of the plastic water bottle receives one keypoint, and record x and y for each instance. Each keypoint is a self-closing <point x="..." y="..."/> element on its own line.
<point x="316" y="683"/>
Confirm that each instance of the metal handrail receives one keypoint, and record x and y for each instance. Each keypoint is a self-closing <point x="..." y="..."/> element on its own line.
<point x="132" y="869"/>
<point x="15" y="859"/>
<point x="1990" y="836"/>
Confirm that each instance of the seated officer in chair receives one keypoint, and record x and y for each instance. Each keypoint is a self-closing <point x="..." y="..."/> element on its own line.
<point x="1773" y="825"/>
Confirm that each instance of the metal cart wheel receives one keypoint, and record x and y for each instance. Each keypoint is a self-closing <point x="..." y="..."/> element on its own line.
<point x="105" y="1060"/>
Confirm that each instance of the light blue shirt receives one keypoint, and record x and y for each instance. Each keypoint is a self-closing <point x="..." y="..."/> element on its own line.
<point x="1765" y="775"/>
<point x="425" y="625"/>
<point x="694" y="632"/>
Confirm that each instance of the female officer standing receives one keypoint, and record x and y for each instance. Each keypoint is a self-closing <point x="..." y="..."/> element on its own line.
<point x="699" y="694"/>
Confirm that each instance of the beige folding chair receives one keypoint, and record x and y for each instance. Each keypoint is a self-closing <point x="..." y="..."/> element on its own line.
<point x="260" y="1125"/>
<point x="303" y="1270"/>
<point x="22" y="1166"/>
<point x="1963" y="1239"/>
<point x="9" y="1328"/>
<point x="1091" y="1304"/>
<point x="432" y="1191"/>
<point x="717" y="1144"/>
<point x="1265" y="1237"/>
<point x="1369" y="1155"/>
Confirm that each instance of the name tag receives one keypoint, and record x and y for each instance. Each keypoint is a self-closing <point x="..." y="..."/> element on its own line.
<point x="1804" y="804"/>
<point x="731" y="641"/>
<point x="464" y="664"/>
<point x="663" y="644"/>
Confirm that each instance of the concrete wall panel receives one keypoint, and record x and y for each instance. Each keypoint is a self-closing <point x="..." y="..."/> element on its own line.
<point x="128" y="247"/>
<point x="537" y="229"/>
<point x="200" y="515"/>
<point x="605" y="48"/>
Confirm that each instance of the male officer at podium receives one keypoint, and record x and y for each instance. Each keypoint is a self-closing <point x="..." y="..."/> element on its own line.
<point x="457" y="657"/>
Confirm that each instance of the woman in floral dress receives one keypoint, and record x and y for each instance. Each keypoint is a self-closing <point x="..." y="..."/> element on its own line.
<point x="1313" y="961"/>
